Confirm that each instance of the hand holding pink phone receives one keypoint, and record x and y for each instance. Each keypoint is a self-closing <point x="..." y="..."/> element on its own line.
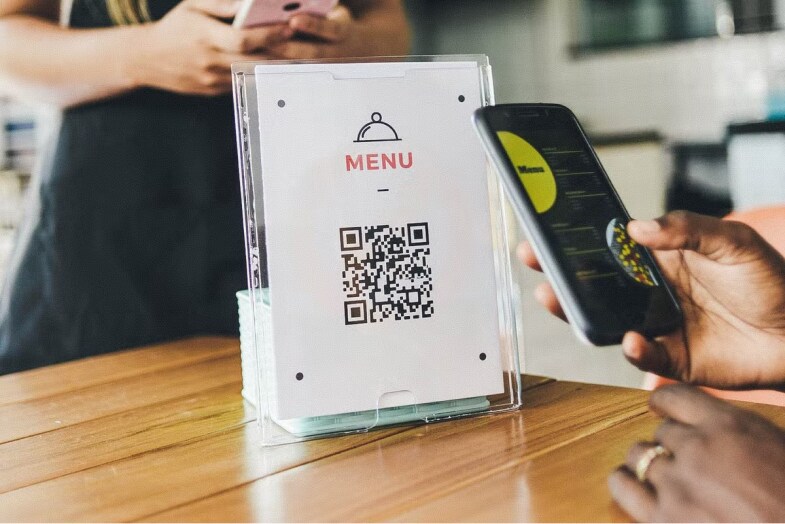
<point x="266" y="12"/>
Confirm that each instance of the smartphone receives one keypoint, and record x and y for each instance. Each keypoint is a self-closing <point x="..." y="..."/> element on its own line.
<point x="606" y="283"/>
<point x="254" y="13"/>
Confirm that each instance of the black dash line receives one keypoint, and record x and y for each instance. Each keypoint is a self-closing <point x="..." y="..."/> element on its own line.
<point x="382" y="190"/>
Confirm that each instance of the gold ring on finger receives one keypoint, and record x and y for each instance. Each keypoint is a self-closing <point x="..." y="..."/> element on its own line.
<point x="646" y="460"/>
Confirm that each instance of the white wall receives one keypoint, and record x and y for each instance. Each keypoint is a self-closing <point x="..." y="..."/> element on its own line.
<point x="688" y="90"/>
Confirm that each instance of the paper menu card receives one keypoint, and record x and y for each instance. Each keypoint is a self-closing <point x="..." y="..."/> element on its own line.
<point x="378" y="235"/>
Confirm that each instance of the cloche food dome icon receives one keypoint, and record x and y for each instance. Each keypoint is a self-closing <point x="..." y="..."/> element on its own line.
<point x="377" y="130"/>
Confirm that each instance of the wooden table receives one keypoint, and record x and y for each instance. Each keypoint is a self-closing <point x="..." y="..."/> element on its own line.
<point x="162" y="434"/>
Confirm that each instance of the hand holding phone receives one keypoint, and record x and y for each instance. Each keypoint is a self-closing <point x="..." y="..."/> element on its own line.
<point x="606" y="283"/>
<point x="266" y="12"/>
<point x="190" y="50"/>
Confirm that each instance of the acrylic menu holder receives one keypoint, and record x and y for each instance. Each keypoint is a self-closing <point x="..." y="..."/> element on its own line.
<point x="378" y="259"/>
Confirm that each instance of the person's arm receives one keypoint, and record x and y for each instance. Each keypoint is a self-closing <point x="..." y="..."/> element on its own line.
<point x="353" y="29"/>
<point x="190" y="51"/>
<point x="53" y="70"/>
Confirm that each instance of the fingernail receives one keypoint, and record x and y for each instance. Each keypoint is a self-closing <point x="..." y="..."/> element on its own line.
<point x="644" y="226"/>
<point x="632" y="353"/>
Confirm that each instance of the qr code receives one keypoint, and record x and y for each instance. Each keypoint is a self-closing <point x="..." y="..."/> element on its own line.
<point x="386" y="273"/>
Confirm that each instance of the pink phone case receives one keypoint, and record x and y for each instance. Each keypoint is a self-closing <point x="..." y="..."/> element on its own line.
<point x="266" y="12"/>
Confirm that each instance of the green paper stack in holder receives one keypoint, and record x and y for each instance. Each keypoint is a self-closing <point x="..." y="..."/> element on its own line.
<point x="247" y="352"/>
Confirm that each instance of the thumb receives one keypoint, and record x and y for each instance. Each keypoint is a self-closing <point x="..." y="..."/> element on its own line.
<point x="214" y="8"/>
<point x="340" y="13"/>
<point x="649" y="355"/>
<point x="716" y="239"/>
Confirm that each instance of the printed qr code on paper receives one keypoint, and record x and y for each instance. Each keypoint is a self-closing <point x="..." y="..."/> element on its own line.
<point x="386" y="273"/>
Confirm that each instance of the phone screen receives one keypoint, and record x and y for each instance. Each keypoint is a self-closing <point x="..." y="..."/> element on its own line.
<point x="615" y="281"/>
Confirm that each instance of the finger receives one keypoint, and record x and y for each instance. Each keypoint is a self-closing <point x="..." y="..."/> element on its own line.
<point x="686" y="404"/>
<point x="217" y="89"/>
<point x="545" y="296"/>
<point x="635" y="498"/>
<point x="299" y="50"/>
<point x="673" y="435"/>
<point x="526" y="255"/>
<point x="228" y="39"/>
<point x="647" y="355"/>
<point x="224" y="61"/>
<point x="333" y="28"/>
<point x="216" y="82"/>
<point x="657" y="467"/>
<point x="718" y="240"/>
<point x="205" y="89"/>
<point x="216" y="8"/>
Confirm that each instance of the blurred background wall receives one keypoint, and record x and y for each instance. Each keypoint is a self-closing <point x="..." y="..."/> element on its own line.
<point x="686" y="87"/>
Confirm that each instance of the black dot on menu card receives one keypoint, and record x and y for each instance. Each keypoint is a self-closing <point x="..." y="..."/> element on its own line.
<point x="299" y="376"/>
<point x="483" y="356"/>
<point x="461" y="98"/>
<point x="281" y="103"/>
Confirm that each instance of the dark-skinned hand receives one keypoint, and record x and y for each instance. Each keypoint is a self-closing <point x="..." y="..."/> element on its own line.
<point x="731" y="286"/>
<point x="726" y="464"/>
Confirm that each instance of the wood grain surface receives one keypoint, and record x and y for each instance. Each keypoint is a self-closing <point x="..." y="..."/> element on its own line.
<point x="162" y="434"/>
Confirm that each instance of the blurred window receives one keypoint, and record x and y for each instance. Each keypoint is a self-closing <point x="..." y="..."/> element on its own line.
<point x="609" y="24"/>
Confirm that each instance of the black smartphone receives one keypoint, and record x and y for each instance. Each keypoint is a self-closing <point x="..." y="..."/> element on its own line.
<point x="606" y="283"/>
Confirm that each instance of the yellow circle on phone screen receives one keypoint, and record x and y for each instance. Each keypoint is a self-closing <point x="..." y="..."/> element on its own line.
<point x="533" y="171"/>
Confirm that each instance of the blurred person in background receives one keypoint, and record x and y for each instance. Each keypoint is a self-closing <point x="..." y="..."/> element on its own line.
<point x="709" y="461"/>
<point x="135" y="234"/>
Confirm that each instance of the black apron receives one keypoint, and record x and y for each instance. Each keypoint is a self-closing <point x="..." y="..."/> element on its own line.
<point x="134" y="235"/>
